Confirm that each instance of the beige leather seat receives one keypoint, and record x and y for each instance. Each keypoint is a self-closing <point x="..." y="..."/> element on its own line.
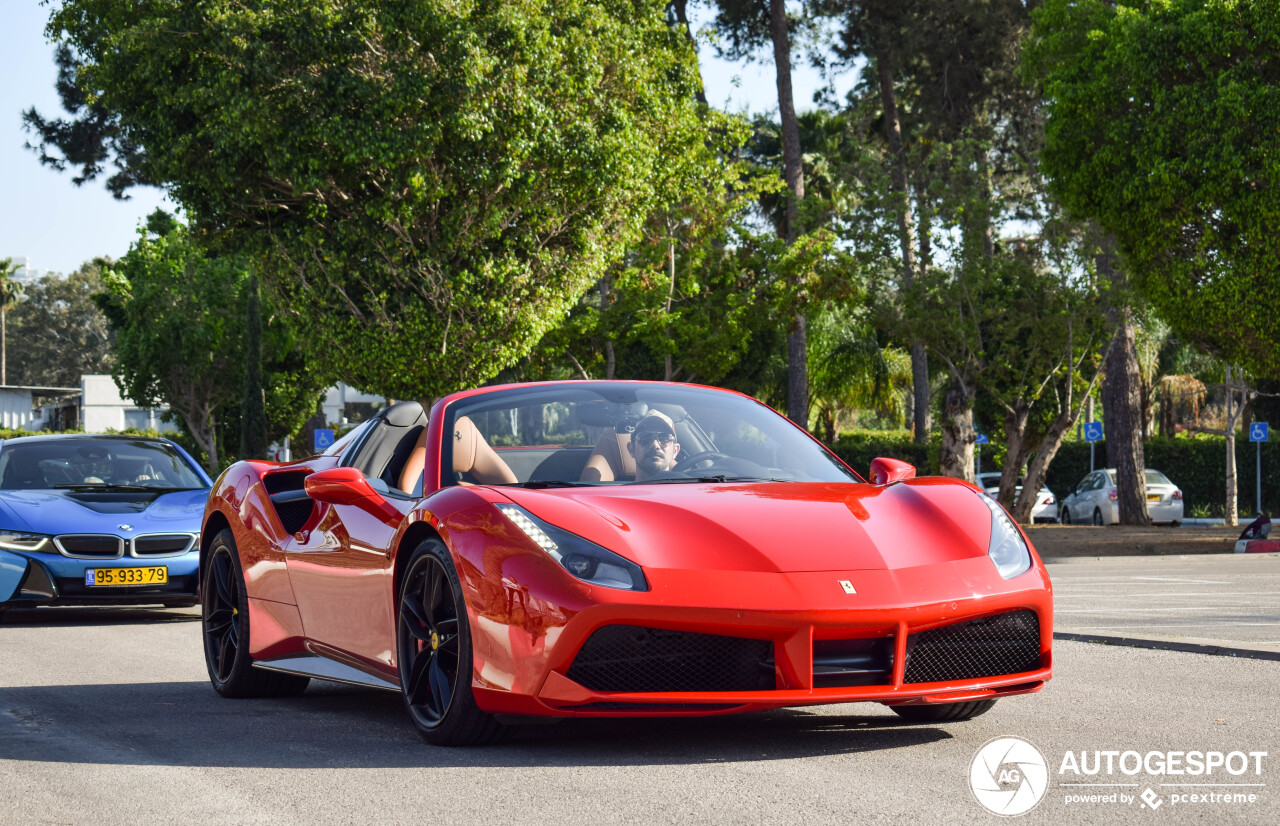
<point x="610" y="460"/>
<point x="471" y="454"/>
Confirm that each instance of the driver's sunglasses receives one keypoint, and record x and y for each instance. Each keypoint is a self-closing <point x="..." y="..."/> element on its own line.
<point x="663" y="438"/>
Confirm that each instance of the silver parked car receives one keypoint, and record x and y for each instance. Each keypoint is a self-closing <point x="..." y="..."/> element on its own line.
<point x="1045" y="508"/>
<point x="1093" y="501"/>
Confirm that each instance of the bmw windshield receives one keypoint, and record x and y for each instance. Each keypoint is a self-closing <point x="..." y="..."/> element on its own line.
<point x="95" y="464"/>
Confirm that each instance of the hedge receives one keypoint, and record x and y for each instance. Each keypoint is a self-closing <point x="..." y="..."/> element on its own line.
<point x="1196" y="465"/>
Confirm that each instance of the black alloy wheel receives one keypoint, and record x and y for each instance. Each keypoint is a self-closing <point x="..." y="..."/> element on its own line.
<point x="944" y="712"/>
<point x="224" y="621"/>
<point x="433" y="647"/>
<point x="1097" y="517"/>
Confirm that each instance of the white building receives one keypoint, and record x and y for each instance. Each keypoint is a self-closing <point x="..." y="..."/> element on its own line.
<point x="18" y="408"/>
<point x="102" y="408"/>
<point x="24" y="272"/>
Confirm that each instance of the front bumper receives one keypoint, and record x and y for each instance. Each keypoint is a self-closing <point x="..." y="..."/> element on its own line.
<point x="37" y="578"/>
<point x="824" y="629"/>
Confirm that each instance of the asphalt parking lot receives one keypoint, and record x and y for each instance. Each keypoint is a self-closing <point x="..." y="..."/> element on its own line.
<point x="107" y="717"/>
<point x="1208" y="599"/>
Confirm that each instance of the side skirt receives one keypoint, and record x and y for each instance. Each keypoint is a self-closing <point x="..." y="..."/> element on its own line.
<point x="323" y="668"/>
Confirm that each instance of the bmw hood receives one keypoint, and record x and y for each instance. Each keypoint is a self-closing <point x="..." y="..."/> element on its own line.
<point x="773" y="527"/>
<point x="55" y="512"/>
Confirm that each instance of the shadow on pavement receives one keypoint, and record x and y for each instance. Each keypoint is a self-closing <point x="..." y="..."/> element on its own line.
<point x="331" y="726"/>
<point x="57" y="616"/>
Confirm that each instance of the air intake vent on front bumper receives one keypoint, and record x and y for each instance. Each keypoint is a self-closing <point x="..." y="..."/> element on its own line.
<point x="90" y="546"/>
<point x="987" y="647"/>
<point x="845" y="663"/>
<point x="631" y="658"/>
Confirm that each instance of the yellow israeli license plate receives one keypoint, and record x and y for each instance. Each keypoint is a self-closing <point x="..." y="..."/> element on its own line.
<point x="1153" y="497"/>
<point x="158" y="575"/>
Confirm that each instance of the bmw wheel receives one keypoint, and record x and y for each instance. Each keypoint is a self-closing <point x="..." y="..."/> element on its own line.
<point x="944" y="712"/>
<point x="224" y="621"/>
<point x="1097" y="517"/>
<point x="433" y="647"/>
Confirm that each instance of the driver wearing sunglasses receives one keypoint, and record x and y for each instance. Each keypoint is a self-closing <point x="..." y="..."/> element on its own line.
<point x="653" y="445"/>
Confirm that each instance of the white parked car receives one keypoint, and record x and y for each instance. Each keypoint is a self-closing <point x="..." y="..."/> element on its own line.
<point x="1045" y="508"/>
<point x="1093" y="501"/>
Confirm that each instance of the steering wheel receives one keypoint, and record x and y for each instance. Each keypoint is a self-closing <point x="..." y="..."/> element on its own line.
<point x="688" y="463"/>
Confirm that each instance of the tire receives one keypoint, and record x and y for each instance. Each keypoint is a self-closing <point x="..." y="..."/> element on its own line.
<point x="1097" y="517"/>
<point x="944" y="712"/>
<point x="224" y="628"/>
<point x="1177" y="523"/>
<point x="1066" y="515"/>
<point x="433" y="650"/>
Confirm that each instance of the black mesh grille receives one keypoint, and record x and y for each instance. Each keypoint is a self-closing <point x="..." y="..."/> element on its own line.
<point x="102" y="546"/>
<point x="160" y="545"/>
<point x="635" y="659"/>
<point x="987" y="647"/>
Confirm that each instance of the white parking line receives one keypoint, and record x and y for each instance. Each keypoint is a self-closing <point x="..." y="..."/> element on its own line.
<point x="1153" y="608"/>
<point x="1058" y="595"/>
<point x="1182" y="579"/>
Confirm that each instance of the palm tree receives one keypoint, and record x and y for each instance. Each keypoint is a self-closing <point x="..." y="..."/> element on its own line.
<point x="11" y="292"/>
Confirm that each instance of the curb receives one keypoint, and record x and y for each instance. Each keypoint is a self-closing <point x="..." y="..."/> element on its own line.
<point x="1218" y="649"/>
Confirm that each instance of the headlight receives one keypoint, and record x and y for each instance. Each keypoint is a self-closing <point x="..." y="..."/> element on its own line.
<point x="1008" y="550"/>
<point x="18" y="541"/>
<point x="584" y="559"/>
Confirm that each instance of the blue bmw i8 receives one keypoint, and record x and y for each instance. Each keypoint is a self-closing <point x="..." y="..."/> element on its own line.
<point x="98" y="520"/>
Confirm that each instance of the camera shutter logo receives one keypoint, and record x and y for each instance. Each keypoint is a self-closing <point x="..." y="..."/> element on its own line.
<point x="1008" y="776"/>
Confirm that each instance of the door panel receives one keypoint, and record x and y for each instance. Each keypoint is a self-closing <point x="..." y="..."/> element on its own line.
<point x="342" y="579"/>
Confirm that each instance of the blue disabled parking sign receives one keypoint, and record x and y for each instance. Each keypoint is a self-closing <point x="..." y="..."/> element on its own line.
<point x="324" y="438"/>
<point x="1259" y="432"/>
<point x="1093" y="431"/>
<point x="981" y="439"/>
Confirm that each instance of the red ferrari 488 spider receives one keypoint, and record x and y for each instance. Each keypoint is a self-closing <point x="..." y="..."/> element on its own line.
<point x="614" y="549"/>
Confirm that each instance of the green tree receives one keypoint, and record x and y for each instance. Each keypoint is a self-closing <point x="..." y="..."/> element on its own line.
<point x="64" y="333"/>
<point x="11" y="292"/>
<point x="1163" y="126"/>
<point x="749" y="26"/>
<point x="177" y="311"/>
<point x="429" y="186"/>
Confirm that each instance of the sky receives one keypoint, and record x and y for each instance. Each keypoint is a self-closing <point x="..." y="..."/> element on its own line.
<point x="58" y="226"/>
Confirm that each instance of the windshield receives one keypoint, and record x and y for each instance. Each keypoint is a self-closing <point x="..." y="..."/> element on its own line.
<point x="86" y="464"/>
<point x="1155" y="477"/>
<point x="608" y="434"/>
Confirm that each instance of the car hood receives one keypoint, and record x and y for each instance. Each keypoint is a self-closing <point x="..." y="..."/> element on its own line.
<point x="56" y="512"/>
<point x="773" y="527"/>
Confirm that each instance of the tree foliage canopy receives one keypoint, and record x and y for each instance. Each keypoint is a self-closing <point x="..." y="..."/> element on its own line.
<point x="60" y="332"/>
<point x="178" y="314"/>
<point x="1164" y="126"/>
<point x="429" y="185"/>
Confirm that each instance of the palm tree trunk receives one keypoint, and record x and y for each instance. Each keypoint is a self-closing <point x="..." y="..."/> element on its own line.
<point x="793" y="173"/>
<point x="906" y="239"/>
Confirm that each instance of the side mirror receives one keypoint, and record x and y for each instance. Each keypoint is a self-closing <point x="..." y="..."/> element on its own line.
<point x="886" y="471"/>
<point x="348" y="486"/>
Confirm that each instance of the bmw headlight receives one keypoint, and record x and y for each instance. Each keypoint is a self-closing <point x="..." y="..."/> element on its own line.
<point x="584" y="559"/>
<point x="1008" y="550"/>
<point x="22" y="541"/>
